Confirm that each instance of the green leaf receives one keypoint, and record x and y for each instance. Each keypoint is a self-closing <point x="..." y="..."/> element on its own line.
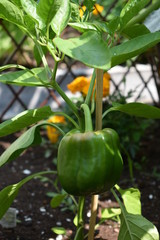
<point x="74" y="12"/>
<point x="24" y="119"/>
<point x="11" y="12"/>
<point x="17" y="3"/>
<point x="57" y="200"/>
<point x="9" y="193"/>
<point x="59" y="230"/>
<point x="95" y="25"/>
<point x="46" y="11"/>
<point x="61" y="18"/>
<point x="113" y="24"/>
<point x="136" y="227"/>
<point x="89" y="48"/>
<point x="29" y="7"/>
<point x="89" y="4"/>
<point x="131" y="200"/>
<point x="137" y="110"/>
<point x="136" y="30"/>
<point x="26" y="78"/>
<point x="108" y="213"/>
<point x="131" y="9"/>
<point x="31" y="137"/>
<point x="83" y="26"/>
<point x="133" y="47"/>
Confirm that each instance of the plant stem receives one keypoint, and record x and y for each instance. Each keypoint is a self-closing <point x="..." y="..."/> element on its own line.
<point x="64" y="96"/>
<point x="80" y="226"/>
<point x="90" y="90"/>
<point x="99" y="95"/>
<point x="88" y="119"/>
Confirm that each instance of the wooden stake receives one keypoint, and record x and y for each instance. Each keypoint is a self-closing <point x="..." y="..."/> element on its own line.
<point x="99" y="96"/>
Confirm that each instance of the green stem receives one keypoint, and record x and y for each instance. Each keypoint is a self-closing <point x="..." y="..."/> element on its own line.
<point x="47" y="69"/>
<point x="80" y="226"/>
<point x="139" y="18"/>
<point x="68" y="117"/>
<point x="66" y="99"/>
<point x="55" y="126"/>
<point x="63" y="95"/>
<point x="88" y="119"/>
<point x="90" y="90"/>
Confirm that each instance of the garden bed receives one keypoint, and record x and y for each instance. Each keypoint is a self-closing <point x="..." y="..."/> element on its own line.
<point x="36" y="217"/>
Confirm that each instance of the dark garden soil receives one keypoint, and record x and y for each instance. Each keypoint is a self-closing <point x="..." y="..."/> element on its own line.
<point x="36" y="217"/>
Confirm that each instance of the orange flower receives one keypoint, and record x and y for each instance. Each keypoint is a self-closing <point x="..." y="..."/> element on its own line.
<point x="98" y="9"/>
<point x="78" y="84"/>
<point x="81" y="84"/>
<point x="52" y="132"/>
<point x="82" y="10"/>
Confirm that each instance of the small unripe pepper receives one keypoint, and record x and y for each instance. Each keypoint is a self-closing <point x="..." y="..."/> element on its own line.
<point x="90" y="162"/>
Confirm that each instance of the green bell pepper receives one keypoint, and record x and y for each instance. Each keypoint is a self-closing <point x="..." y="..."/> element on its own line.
<point x="90" y="162"/>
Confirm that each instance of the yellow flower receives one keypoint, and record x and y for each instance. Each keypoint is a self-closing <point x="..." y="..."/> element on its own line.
<point x="98" y="9"/>
<point x="81" y="84"/>
<point x="52" y="132"/>
<point x="82" y="10"/>
<point x="78" y="84"/>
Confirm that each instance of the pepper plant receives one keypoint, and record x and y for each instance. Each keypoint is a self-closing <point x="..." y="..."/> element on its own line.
<point x="89" y="160"/>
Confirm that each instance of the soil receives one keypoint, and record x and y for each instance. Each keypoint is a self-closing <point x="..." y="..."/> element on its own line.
<point x="35" y="216"/>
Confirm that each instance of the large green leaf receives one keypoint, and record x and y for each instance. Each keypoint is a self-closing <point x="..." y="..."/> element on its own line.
<point x="61" y="18"/>
<point x="11" y="12"/>
<point x="29" y="7"/>
<point x="136" y="109"/>
<point x="30" y="138"/>
<point x="131" y="9"/>
<point x="89" y="48"/>
<point x="131" y="200"/>
<point x="26" y="78"/>
<point x="133" y="47"/>
<point x="24" y="119"/>
<point x="46" y="11"/>
<point x="136" y="227"/>
<point x="9" y="193"/>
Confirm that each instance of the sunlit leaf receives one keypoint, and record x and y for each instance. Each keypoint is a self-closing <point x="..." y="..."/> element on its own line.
<point x="11" y="12"/>
<point x="131" y="9"/>
<point x="24" y="119"/>
<point x="61" y="18"/>
<point x="26" y="78"/>
<point x="89" y="48"/>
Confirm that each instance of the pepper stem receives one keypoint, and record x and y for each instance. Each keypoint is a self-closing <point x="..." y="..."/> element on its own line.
<point x="88" y="119"/>
<point x="99" y="96"/>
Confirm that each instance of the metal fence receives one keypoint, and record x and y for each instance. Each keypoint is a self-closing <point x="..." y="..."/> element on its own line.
<point x="142" y="80"/>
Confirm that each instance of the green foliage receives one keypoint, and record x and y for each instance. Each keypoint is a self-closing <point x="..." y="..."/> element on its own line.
<point x="89" y="48"/>
<point x="35" y="77"/>
<point x="131" y="9"/>
<point x="24" y="119"/>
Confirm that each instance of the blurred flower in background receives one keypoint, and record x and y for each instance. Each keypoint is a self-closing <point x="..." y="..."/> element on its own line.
<point x="52" y="132"/>
<point x="81" y="84"/>
<point x="97" y="9"/>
